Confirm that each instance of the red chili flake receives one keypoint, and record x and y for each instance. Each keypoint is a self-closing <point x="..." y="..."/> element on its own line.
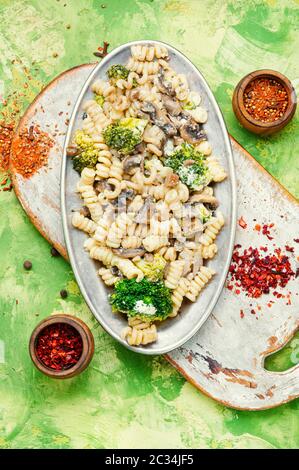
<point x="30" y="151"/>
<point x="296" y="240"/>
<point x="263" y="248"/>
<point x="59" y="346"/>
<point x="256" y="274"/>
<point x="257" y="227"/>
<point x="237" y="291"/>
<point x="252" y="311"/>
<point x="266" y="231"/>
<point x="241" y="314"/>
<point x="289" y="248"/>
<point x="8" y="188"/>
<point x="242" y="222"/>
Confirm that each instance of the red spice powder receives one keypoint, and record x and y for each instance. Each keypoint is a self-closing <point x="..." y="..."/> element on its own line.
<point x="30" y="151"/>
<point x="265" y="99"/>
<point x="6" y="134"/>
<point x="256" y="274"/>
<point x="59" y="346"/>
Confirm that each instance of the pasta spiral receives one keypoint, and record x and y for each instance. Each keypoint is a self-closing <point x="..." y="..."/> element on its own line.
<point x="139" y="52"/>
<point x="174" y="273"/>
<point x="107" y="276"/>
<point x="83" y="223"/>
<point x="178" y="295"/>
<point x="140" y="336"/>
<point x="208" y="252"/>
<point x="199" y="282"/>
<point x="212" y="229"/>
<point x="216" y="170"/>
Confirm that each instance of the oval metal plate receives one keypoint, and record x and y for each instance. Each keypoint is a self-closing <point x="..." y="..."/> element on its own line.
<point x="176" y="331"/>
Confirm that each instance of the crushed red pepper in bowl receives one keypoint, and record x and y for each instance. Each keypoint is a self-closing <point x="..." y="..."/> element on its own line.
<point x="265" y="99"/>
<point x="59" y="346"/>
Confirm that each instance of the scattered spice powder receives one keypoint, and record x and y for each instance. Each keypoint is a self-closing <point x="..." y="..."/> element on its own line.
<point x="256" y="274"/>
<point x="6" y="134"/>
<point x="30" y="150"/>
<point x="265" y="99"/>
<point x="59" y="346"/>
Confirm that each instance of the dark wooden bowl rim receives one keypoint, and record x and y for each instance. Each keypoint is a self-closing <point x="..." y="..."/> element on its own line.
<point x="87" y="340"/>
<point x="269" y="74"/>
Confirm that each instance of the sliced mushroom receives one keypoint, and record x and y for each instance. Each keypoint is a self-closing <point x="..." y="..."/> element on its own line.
<point x="140" y="148"/>
<point x="100" y="185"/>
<point x="85" y="212"/>
<point x="142" y="215"/>
<point x="197" y="261"/>
<point x="163" y="85"/>
<point x="192" y="133"/>
<point x="168" y="129"/>
<point x="73" y="151"/>
<point x="172" y="106"/>
<point x="129" y="252"/>
<point x="171" y="180"/>
<point x="150" y="109"/>
<point x="131" y="162"/>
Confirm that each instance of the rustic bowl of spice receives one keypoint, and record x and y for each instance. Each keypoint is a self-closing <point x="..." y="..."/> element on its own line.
<point x="264" y="101"/>
<point x="61" y="346"/>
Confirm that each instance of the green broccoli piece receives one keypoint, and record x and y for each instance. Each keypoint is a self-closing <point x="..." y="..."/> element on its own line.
<point x="147" y="300"/>
<point x="88" y="155"/>
<point x="194" y="175"/>
<point x="204" y="214"/>
<point x="153" y="270"/>
<point x="99" y="99"/>
<point x="118" y="71"/>
<point x="189" y="106"/>
<point x="125" y="134"/>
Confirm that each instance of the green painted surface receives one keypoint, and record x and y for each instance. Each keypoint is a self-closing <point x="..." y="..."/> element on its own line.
<point x="124" y="399"/>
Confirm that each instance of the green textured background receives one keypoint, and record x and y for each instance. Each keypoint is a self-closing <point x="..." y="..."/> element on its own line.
<point x="124" y="399"/>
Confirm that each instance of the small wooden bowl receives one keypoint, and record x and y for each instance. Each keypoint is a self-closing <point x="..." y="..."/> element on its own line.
<point x="87" y="340"/>
<point x="259" y="127"/>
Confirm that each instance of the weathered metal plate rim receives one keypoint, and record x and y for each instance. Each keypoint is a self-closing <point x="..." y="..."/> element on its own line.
<point x="105" y="324"/>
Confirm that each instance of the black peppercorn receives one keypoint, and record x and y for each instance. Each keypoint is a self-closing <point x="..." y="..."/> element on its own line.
<point x="63" y="294"/>
<point x="27" y="265"/>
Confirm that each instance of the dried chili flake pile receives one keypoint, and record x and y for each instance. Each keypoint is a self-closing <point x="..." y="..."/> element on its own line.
<point x="257" y="274"/>
<point x="59" y="346"/>
<point x="6" y="133"/>
<point x="265" y="99"/>
<point x="30" y="151"/>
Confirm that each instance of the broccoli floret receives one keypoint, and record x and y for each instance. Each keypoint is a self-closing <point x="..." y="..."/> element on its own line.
<point x="88" y="157"/>
<point x="153" y="270"/>
<point x="194" y="175"/>
<point x="124" y="134"/>
<point x="204" y="214"/>
<point x="147" y="300"/>
<point x="189" y="106"/>
<point x="118" y="71"/>
<point x="99" y="99"/>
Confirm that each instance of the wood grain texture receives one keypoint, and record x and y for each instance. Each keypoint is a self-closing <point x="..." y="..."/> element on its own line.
<point x="225" y="359"/>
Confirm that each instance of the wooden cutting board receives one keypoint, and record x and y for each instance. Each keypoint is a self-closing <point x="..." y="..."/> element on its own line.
<point x="225" y="359"/>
